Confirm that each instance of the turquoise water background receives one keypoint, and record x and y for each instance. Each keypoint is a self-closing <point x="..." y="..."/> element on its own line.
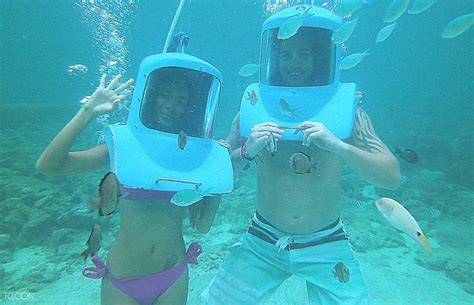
<point x="419" y="94"/>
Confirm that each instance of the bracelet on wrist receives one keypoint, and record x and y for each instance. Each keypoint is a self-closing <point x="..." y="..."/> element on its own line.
<point x="244" y="153"/>
<point x="84" y="100"/>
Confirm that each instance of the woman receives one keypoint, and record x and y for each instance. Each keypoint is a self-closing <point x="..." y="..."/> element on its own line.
<point x="150" y="239"/>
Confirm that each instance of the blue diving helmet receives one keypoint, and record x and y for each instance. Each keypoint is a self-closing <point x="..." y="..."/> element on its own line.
<point x="166" y="145"/>
<point x="299" y="76"/>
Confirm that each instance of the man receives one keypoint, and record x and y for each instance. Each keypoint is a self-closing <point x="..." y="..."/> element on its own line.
<point x="297" y="228"/>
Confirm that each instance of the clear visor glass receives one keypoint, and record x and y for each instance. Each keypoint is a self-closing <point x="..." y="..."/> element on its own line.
<point x="176" y="99"/>
<point x="306" y="59"/>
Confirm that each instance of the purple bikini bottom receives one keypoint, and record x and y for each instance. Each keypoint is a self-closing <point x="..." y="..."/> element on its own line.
<point x="145" y="289"/>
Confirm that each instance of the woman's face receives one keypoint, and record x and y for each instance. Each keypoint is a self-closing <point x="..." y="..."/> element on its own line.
<point x="296" y="62"/>
<point x="171" y="103"/>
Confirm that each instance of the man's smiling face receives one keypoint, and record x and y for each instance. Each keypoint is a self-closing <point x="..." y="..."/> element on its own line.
<point x="296" y="62"/>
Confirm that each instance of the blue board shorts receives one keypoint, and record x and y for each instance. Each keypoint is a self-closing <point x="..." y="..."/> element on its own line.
<point x="266" y="257"/>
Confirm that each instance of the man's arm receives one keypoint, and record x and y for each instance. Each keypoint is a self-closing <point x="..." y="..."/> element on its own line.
<point x="369" y="156"/>
<point x="364" y="151"/>
<point x="256" y="141"/>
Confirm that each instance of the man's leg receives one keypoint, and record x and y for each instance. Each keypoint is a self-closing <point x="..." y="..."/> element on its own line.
<point x="316" y="265"/>
<point x="249" y="275"/>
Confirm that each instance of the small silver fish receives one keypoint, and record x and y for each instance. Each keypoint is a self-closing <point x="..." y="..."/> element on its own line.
<point x="185" y="198"/>
<point x="420" y="6"/>
<point x="272" y="145"/>
<point x="109" y="195"/>
<point x="362" y="204"/>
<point x="182" y="139"/>
<point x="301" y="163"/>
<point x="248" y="70"/>
<point x="93" y="243"/>
<point x="353" y="60"/>
<point x="395" y="10"/>
<point x="297" y="129"/>
<point x="341" y="272"/>
<point x="293" y="24"/>
<point x="348" y="7"/>
<point x="344" y="32"/>
<point x="386" y="31"/>
<point x="458" y="26"/>
<point x="285" y="109"/>
<point x="344" y="47"/>
<point x="435" y="213"/>
<point x="77" y="69"/>
<point x="359" y="96"/>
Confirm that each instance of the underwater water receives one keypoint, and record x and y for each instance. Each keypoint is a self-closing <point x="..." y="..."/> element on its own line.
<point x="419" y="95"/>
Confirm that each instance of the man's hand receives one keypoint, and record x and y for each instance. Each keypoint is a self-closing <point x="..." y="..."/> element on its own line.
<point x="106" y="99"/>
<point x="319" y="135"/>
<point x="258" y="137"/>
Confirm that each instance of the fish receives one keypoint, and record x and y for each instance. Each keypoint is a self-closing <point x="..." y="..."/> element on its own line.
<point x="344" y="32"/>
<point x="77" y="69"/>
<point x="293" y="24"/>
<point x="285" y="109"/>
<point x="93" y="243"/>
<point x="344" y="47"/>
<point x="272" y="145"/>
<point x="348" y="7"/>
<point x="187" y="197"/>
<point x="360" y="96"/>
<point x="341" y="272"/>
<point x="297" y="129"/>
<point x="385" y="32"/>
<point x="182" y="139"/>
<point x="402" y="220"/>
<point x="435" y="213"/>
<point x="301" y="163"/>
<point x="252" y="97"/>
<point x="419" y="6"/>
<point x="458" y="26"/>
<point x="109" y="195"/>
<point x="362" y="204"/>
<point x="407" y="154"/>
<point x="248" y="70"/>
<point x="353" y="60"/>
<point x="178" y="43"/>
<point x="363" y="243"/>
<point x="395" y="10"/>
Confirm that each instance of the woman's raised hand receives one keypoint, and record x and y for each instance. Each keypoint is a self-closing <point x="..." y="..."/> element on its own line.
<point x="106" y="99"/>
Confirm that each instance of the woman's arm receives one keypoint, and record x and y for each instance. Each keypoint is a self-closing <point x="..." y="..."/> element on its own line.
<point x="202" y="213"/>
<point x="57" y="159"/>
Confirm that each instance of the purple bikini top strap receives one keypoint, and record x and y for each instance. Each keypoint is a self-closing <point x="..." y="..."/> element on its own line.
<point x="97" y="272"/>
<point x="194" y="250"/>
